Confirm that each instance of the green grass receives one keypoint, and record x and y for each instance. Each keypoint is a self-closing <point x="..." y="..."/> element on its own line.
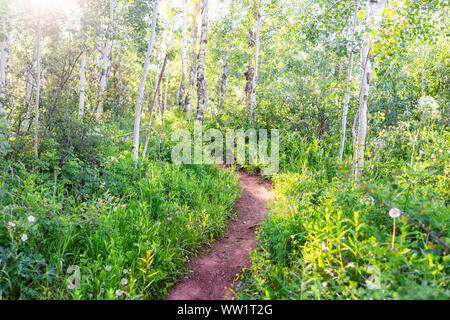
<point x="131" y="234"/>
<point x="325" y="238"/>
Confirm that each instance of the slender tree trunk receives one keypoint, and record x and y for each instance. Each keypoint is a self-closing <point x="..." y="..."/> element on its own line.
<point x="250" y="73"/>
<point x="184" y="63"/>
<point x="167" y="87"/>
<point x="155" y="96"/>
<point x="255" y="77"/>
<point x="38" y="88"/>
<point x="106" y="62"/>
<point x="223" y="84"/>
<point x="11" y="71"/>
<point x="201" y="82"/>
<point x="349" y="81"/>
<point x="193" y="69"/>
<point x="160" y="98"/>
<point x="138" y="111"/>
<point x="98" y="56"/>
<point x="29" y="86"/>
<point x="375" y="9"/>
<point x="4" y="46"/>
<point x="82" y="86"/>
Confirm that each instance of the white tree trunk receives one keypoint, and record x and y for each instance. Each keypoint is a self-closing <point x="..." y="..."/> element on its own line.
<point x="38" y="89"/>
<point x="4" y="47"/>
<point x="201" y="82"/>
<point x="184" y="63"/>
<point x="374" y="13"/>
<point x="82" y="86"/>
<point x="29" y="86"/>
<point x="223" y="84"/>
<point x="106" y="62"/>
<point x="255" y="77"/>
<point x="138" y="111"/>
<point x="193" y="69"/>
<point x="349" y="81"/>
<point x="98" y="56"/>
<point x="11" y="71"/>
<point x="154" y="101"/>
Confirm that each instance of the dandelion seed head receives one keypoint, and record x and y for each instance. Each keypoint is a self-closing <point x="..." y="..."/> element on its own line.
<point x="394" y="213"/>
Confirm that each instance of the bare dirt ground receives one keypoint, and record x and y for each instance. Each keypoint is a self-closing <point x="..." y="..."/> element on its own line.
<point x="214" y="273"/>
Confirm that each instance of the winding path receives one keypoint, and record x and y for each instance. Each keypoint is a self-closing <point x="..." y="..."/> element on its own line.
<point x="214" y="273"/>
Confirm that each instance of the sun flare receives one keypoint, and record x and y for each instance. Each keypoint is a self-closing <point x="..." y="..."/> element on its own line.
<point x="53" y="5"/>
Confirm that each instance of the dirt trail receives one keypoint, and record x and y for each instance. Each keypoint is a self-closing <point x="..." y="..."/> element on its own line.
<point x="213" y="273"/>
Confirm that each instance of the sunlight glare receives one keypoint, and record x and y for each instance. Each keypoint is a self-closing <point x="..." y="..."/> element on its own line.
<point x="52" y="5"/>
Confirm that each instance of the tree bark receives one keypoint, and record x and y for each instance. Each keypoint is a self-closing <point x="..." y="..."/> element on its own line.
<point x="349" y="81"/>
<point x="38" y="88"/>
<point x="98" y="56"/>
<point x="82" y="82"/>
<point x="255" y="77"/>
<point x="223" y="84"/>
<point x="155" y="96"/>
<point x="184" y="64"/>
<point x="250" y="73"/>
<point x="167" y="87"/>
<point x="29" y="87"/>
<point x="4" y="47"/>
<point x="193" y="69"/>
<point x="138" y="111"/>
<point x="201" y="82"/>
<point x="106" y="62"/>
<point x="375" y="9"/>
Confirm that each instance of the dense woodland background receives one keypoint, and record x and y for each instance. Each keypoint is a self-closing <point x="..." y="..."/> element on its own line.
<point x="90" y="91"/>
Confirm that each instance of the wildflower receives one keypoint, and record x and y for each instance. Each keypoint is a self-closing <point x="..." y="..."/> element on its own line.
<point x="108" y="268"/>
<point x="124" y="281"/>
<point x="119" y="293"/>
<point x="24" y="237"/>
<point x="125" y="271"/>
<point x="394" y="213"/>
<point x="11" y="225"/>
<point x="350" y="265"/>
<point x="31" y="219"/>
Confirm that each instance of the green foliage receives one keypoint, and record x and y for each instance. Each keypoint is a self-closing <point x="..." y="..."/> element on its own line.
<point x="327" y="239"/>
<point x="107" y="220"/>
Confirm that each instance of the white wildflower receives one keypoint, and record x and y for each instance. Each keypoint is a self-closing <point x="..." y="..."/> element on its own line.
<point x="108" y="268"/>
<point x="125" y="271"/>
<point x="24" y="237"/>
<point x="31" y="219"/>
<point x="11" y="225"/>
<point x="394" y="213"/>
<point x="119" y="292"/>
<point x="124" y="281"/>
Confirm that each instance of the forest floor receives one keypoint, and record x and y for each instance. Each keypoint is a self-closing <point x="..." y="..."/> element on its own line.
<point x="215" y="272"/>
